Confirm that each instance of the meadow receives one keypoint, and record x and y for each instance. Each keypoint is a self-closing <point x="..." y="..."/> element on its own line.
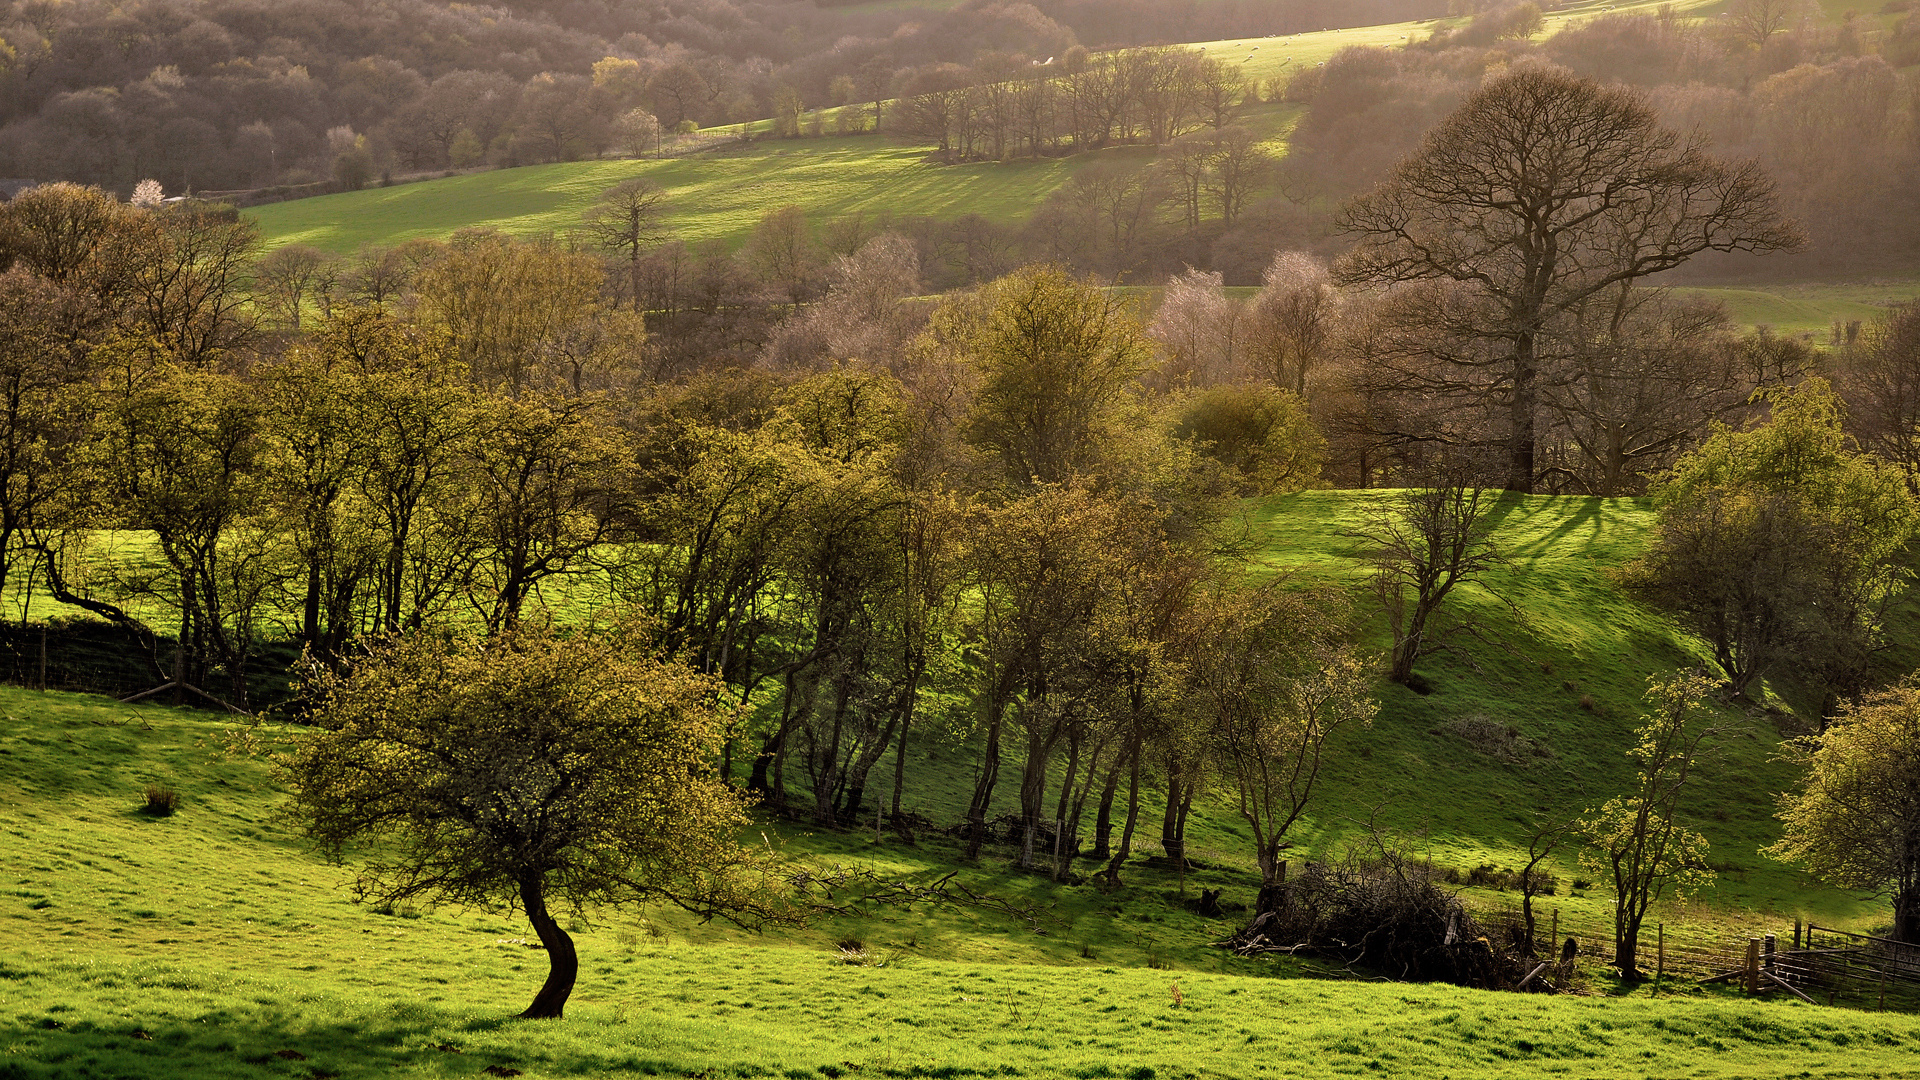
<point x="210" y="944"/>
<point x="1560" y="680"/>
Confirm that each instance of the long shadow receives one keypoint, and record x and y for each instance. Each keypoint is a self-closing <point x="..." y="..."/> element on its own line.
<point x="219" y="1044"/>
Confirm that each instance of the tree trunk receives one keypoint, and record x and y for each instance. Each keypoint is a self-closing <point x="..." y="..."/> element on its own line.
<point x="1520" y="438"/>
<point x="563" y="963"/>
<point x="1103" y="821"/>
<point x="1906" y="916"/>
<point x="1112" y="872"/>
<point x="983" y="789"/>
<point x="1273" y="891"/>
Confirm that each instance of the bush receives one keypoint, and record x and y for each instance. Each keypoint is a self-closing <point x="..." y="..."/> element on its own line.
<point x="1382" y="908"/>
<point x="161" y="800"/>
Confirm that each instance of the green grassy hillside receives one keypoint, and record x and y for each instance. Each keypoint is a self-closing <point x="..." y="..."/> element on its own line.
<point x="1565" y="675"/>
<point x="210" y="943"/>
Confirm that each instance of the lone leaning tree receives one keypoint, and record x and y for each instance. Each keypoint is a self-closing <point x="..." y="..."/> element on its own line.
<point x="526" y="770"/>
<point x="1542" y="191"/>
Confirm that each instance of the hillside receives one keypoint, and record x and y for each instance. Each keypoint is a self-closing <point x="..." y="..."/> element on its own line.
<point x="1570" y="637"/>
<point x="206" y="945"/>
<point x="210" y="943"/>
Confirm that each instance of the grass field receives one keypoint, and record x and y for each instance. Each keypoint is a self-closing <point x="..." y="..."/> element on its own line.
<point x="1577" y="637"/>
<point x="716" y="196"/>
<point x="210" y="943"/>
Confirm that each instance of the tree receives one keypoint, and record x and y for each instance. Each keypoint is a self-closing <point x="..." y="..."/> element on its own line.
<point x="1054" y="357"/>
<point x="1754" y="22"/>
<point x="626" y="221"/>
<point x="1292" y="319"/>
<point x="1781" y="542"/>
<point x="506" y="304"/>
<point x="1541" y="191"/>
<point x="530" y="770"/>
<point x="1645" y="375"/>
<point x="781" y="252"/>
<point x="1636" y="838"/>
<point x="1276" y="684"/>
<point x="1880" y="378"/>
<point x="287" y="279"/>
<point x="541" y="467"/>
<point x="179" y="454"/>
<point x="1263" y="434"/>
<point x="1428" y="541"/>
<point x="1201" y="328"/>
<point x="639" y="132"/>
<point x="187" y="282"/>
<point x="1855" y="820"/>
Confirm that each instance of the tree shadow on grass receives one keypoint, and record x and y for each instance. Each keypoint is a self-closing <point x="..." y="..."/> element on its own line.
<point x="220" y="1044"/>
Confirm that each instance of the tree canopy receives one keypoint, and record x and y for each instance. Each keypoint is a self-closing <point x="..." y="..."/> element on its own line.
<point x="531" y="769"/>
<point x="1542" y="191"/>
<point x="1855" y="821"/>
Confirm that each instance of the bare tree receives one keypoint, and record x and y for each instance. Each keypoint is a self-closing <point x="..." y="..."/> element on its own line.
<point x="1754" y="22"/>
<point x="626" y="221"/>
<point x="1880" y="379"/>
<point x="1428" y="542"/>
<point x="1275" y="685"/>
<point x="1541" y="191"/>
<point x="287" y="278"/>
<point x="1292" y="318"/>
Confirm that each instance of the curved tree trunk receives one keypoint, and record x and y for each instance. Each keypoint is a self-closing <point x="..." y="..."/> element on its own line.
<point x="563" y="962"/>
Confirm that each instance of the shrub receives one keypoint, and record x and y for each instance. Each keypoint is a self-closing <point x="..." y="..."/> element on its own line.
<point x="1381" y="907"/>
<point x="161" y="800"/>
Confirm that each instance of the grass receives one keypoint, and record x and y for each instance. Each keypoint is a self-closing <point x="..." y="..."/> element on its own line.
<point x="209" y="944"/>
<point x="714" y="197"/>
<point x="1810" y="307"/>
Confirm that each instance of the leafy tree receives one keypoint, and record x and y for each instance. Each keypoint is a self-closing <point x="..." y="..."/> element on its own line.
<point x="42" y="409"/>
<point x="179" y="454"/>
<point x="508" y="305"/>
<point x="1541" y="191"/>
<point x="1055" y="358"/>
<point x="1855" y="820"/>
<point x="531" y="770"/>
<point x="1637" y="839"/>
<point x="316" y="441"/>
<point x="541" y="470"/>
<point x="1264" y="434"/>
<point x="1780" y="542"/>
<point x="1275" y="683"/>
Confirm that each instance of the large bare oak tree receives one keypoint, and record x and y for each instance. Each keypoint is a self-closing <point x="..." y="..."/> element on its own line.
<point x="1538" y="193"/>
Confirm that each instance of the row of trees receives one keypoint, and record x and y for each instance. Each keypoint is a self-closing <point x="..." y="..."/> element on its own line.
<point x="470" y="448"/>
<point x="241" y="95"/>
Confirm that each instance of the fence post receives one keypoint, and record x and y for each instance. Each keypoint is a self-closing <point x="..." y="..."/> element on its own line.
<point x="1796" y="935"/>
<point x="1661" y="970"/>
<point x="1767" y="948"/>
<point x="1753" y="965"/>
<point x="1554" y="941"/>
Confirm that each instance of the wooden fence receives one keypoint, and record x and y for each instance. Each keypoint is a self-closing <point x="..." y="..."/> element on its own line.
<point x="1821" y="965"/>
